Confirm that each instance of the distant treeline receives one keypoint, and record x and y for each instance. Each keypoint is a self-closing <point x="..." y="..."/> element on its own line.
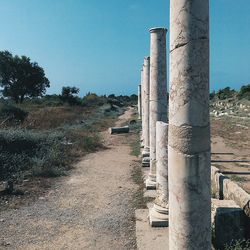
<point x="222" y="94"/>
<point x="21" y="79"/>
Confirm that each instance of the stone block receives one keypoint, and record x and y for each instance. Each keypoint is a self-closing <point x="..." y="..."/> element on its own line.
<point x="158" y="217"/>
<point x="145" y="153"/>
<point x="227" y="222"/>
<point x="150" y="185"/>
<point x="119" y="130"/>
<point x="145" y="161"/>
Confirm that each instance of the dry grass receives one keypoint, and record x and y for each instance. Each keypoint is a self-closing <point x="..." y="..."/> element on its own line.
<point x="53" y="117"/>
<point x="233" y="131"/>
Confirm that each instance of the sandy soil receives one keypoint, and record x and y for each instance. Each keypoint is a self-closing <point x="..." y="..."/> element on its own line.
<point x="231" y="149"/>
<point x="90" y="209"/>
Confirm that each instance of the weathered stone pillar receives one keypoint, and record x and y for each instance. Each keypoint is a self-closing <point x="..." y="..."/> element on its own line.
<point x="158" y="215"/>
<point x="145" y="101"/>
<point x="189" y="127"/>
<point x="142" y="108"/>
<point x="158" y="91"/>
<point x="139" y="102"/>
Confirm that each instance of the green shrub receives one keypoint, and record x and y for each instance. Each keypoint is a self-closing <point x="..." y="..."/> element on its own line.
<point x="69" y="95"/>
<point x="12" y="113"/>
<point x="26" y="151"/>
<point x="225" y="93"/>
<point x="244" y="92"/>
<point x="93" y="100"/>
<point x="91" y="142"/>
<point x="12" y="165"/>
<point x="238" y="245"/>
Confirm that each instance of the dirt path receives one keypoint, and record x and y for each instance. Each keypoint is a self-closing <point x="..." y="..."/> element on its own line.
<point x="90" y="209"/>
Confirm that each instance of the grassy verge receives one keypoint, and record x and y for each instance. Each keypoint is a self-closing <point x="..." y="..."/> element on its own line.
<point x="50" y="140"/>
<point x="139" y="201"/>
<point x="238" y="245"/>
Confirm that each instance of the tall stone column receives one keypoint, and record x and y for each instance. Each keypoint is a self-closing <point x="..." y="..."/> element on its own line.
<point x="158" y="94"/>
<point x="158" y="215"/>
<point x="145" y="101"/>
<point x="139" y="102"/>
<point x="142" y="108"/>
<point x="189" y="127"/>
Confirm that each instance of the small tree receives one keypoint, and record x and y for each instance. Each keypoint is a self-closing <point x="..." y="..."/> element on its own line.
<point x="225" y="93"/>
<point x="245" y="92"/>
<point x="93" y="100"/>
<point x="69" y="95"/>
<point x="134" y="98"/>
<point x="20" y="78"/>
<point x="212" y="95"/>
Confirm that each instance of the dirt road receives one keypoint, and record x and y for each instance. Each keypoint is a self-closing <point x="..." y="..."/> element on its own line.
<point x="90" y="209"/>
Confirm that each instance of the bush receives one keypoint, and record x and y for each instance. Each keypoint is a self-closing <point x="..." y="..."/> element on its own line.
<point x="226" y="93"/>
<point x="12" y="113"/>
<point x="238" y="245"/>
<point x="69" y="95"/>
<point x="21" y="151"/>
<point x="12" y="165"/>
<point x="91" y="143"/>
<point x="93" y="100"/>
<point x="244" y="92"/>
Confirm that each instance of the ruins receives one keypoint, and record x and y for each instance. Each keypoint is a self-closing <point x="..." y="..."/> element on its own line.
<point x="145" y="107"/>
<point x="139" y="102"/>
<point x="158" y="94"/>
<point x="158" y="215"/>
<point x="189" y="127"/>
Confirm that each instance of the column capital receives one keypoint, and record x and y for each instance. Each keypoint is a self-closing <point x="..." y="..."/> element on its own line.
<point x="158" y="29"/>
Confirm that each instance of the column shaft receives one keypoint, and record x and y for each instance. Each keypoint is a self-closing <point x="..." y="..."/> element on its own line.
<point x="139" y="101"/>
<point x="161" y="164"/>
<point x="158" y="91"/>
<point x="158" y="215"/>
<point x="145" y="101"/>
<point x="142" y="108"/>
<point x="189" y="127"/>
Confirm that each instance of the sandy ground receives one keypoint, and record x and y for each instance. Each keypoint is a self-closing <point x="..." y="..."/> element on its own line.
<point x="231" y="149"/>
<point x="90" y="209"/>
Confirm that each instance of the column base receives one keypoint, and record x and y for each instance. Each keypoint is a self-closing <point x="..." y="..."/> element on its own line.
<point x="158" y="216"/>
<point x="141" y="137"/>
<point x="150" y="184"/>
<point x="145" y="161"/>
<point x="145" y="152"/>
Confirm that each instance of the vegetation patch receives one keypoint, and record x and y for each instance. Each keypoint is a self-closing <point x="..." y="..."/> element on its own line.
<point x="237" y="178"/>
<point x="139" y="201"/>
<point x="238" y="245"/>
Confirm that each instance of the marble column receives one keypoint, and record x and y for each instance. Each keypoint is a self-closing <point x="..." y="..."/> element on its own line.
<point x="142" y="108"/>
<point x="189" y="127"/>
<point x="158" y="94"/>
<point x="139" y="102"/>
<point x="145" y="101"/>
<point x="158" y="214"/>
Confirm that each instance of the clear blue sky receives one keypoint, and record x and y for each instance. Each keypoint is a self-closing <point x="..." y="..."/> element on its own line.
<point x="99" y="45"/>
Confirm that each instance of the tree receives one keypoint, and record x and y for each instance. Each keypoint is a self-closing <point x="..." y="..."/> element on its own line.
<point x="212" y="95"/>
<point x="20" y="78"/>
<point x="111" y="96"/>
<point x="69" y="95"/>
<point x="134" y="98"/>
<point x="93" y="100"/>
<point x="225" y="93"/>
<point x="245" y="92"/>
